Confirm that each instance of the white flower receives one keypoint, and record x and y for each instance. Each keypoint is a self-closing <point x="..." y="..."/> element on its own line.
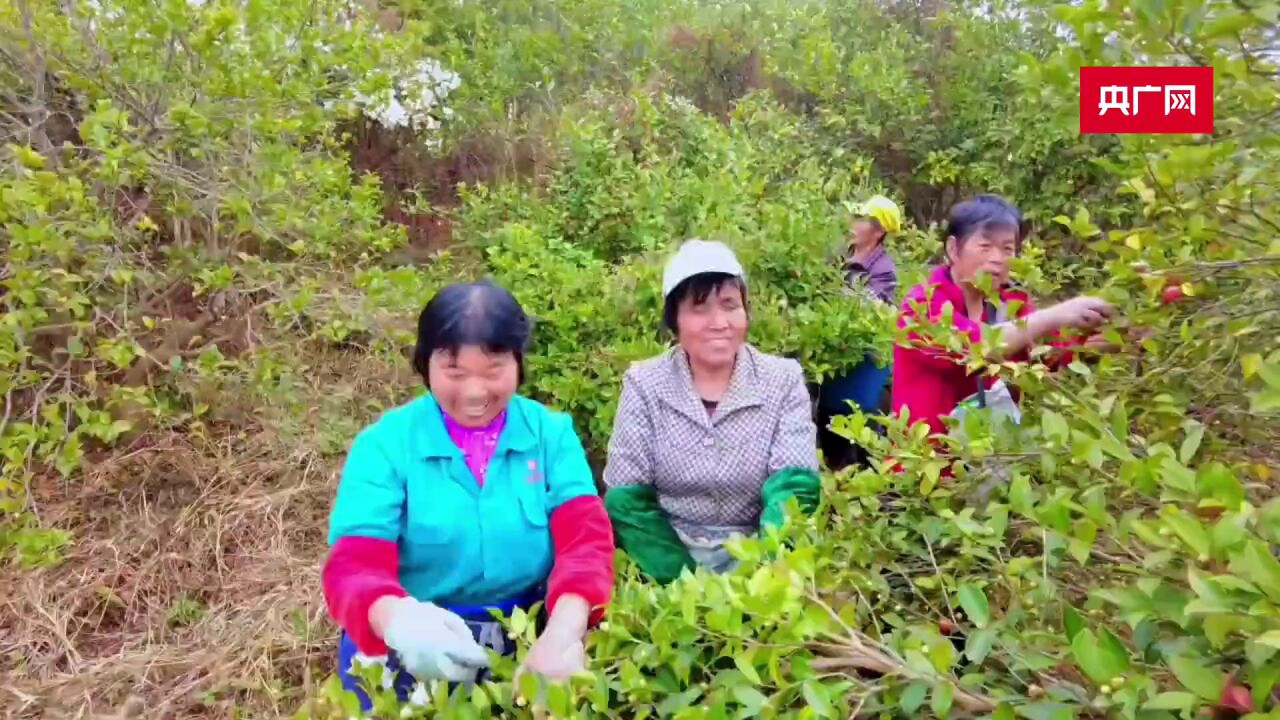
<point x="416" y="98"/>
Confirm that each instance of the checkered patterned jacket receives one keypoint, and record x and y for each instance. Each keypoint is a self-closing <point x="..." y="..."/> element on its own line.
<point x="708" y="469"/>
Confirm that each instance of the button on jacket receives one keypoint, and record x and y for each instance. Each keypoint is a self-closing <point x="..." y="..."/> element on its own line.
<point x="708" y="468"/>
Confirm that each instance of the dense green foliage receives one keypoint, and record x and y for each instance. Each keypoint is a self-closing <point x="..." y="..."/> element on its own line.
<point x="184" y="233"/>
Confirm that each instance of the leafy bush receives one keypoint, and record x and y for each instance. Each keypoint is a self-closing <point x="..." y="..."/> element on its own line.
<point x="185" y="243"/>
<point x="143" y="179"/>
<point x="1123" y="567"/>
<point x="630" y="187"/>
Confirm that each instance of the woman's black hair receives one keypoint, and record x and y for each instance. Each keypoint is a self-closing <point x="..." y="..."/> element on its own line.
<point x="981" y="213"/>
<point x="478" y="313"/>
<point x="700" y="287"/>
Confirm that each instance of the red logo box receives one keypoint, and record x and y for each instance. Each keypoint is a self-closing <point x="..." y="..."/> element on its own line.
<point x="1125" y="100"/>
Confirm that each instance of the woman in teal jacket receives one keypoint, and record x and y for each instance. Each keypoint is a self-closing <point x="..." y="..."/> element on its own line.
<point x="466" y="500"/>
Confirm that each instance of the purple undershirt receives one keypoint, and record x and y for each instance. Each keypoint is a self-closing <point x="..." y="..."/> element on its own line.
<point x="477" y="444"/>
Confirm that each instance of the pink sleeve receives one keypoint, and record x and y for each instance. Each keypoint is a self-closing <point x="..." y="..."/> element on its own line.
<point x="1064" y="345"/>
<point x="1061" y="341"/>
<point x="360" y="570"/>
<point x="583" y="538"/>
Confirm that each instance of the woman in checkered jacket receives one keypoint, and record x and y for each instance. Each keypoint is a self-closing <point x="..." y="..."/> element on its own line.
<point x="711" y="437"/>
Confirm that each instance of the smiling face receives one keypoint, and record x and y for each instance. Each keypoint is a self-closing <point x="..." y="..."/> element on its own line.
<point x="473" y="385"/>
<point x="987" y="251"/>
<point x="713" y="328"/>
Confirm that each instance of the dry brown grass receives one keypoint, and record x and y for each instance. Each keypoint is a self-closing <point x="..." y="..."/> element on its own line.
<point x="192" y="585"/>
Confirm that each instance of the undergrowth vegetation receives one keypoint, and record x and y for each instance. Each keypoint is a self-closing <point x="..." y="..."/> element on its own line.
<point x="220" y="219"/>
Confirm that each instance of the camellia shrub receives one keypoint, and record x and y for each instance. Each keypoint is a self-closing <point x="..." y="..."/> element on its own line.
<point x="1114" y="555"/>
<point x="183" y="235"/>
<point x="159" y="157"/>
<point x="633" y="184"/>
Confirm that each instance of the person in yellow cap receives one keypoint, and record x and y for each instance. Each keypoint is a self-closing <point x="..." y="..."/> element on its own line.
<point x="872" y="222"/>
<point x="867" y="267"/>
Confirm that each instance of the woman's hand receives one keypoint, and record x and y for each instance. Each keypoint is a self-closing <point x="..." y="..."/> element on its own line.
<point x="560" y="650"/>
<point x="431" y="642"/>
<point x="555" y="656"/>
<point x="1081" y="312"/>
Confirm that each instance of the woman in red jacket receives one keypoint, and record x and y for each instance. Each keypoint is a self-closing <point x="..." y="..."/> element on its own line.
<point x="983" y="235"/>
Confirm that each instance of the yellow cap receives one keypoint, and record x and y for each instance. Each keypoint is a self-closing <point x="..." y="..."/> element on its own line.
<point x="882" y="210"/>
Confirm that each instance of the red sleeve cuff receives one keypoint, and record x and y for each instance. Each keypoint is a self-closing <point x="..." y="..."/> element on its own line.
<point x="358" y="572"/>
<point x="1063" y="345"/>
<point x="583" y="538"/>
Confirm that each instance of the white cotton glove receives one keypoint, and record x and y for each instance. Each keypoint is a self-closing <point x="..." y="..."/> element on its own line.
<point x="433" y="643"/>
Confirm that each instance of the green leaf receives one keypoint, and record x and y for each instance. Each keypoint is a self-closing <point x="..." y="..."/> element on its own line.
<point x="1218" y="628"/>
<point x="679" y="701"/>
<point x="1079" y="550"/>
<point x="1188" y="529"/>
<point x="1257" y="565"/>
<point x="558" y="701"/>
<point x="743" y="663"/>
<point x="1270" y="638"/>
<point x="1264" y="401"/>
<point x="750" y="698"/>
<point x="913" y="697"/>
<point x="974" y="602"/>
<point x="530" y="686"/>
<point x="1047" y="711"/>
<point x="1171" y="701"/>
<point x="1263" y="680"/>
<point x="1055" y="427"/>
<point x="1196" y="676"/>
<point x="1227" y="24"/>
<point x="1003" y="712"/>
<point x="1072" y="623"/>
<point x="978" y="646"/>
<point x="943" y="694"/>
<point x="816" y="696"/>
<point x="1120" y="420"/>
<point x="1020" y="494"/>
<point x="1191" y="443"/>
<point x="1102" y="657"/>
<point x="1229" y="533"/>
<point x="1217" y="482"/>
<point x="1250" y="364"/>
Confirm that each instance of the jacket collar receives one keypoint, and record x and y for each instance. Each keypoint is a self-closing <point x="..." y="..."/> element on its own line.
<point x="867" y="263"/>
<point x="433" y="436"/>
<point x="942" y="285"/>
<point x="745" y="386"/>
<point x="945" y="287"/>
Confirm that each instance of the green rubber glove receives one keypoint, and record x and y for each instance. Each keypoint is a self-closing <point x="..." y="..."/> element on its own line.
<point x="800" y="483"/>
<point x="643" y="532"/>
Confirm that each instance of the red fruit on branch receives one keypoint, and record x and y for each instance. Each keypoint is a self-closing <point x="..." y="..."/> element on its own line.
<point x="1237" y="698"/>
<point x="1172" y="294"/>
<point x="946" y="627"/>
